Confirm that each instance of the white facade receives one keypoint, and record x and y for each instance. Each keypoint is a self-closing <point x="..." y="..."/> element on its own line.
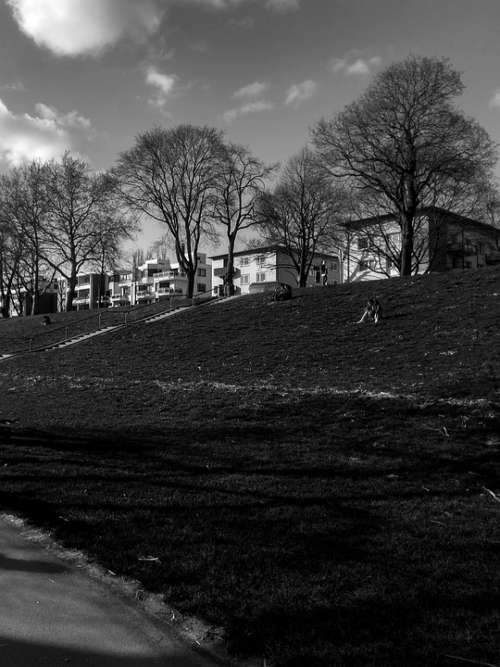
<point x="443" y="240"/>
<point x="155" y="280"/>
<point x="263" y="268"/>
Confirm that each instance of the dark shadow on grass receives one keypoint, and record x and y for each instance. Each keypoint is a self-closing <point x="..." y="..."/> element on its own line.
<point x="257" y="514"/>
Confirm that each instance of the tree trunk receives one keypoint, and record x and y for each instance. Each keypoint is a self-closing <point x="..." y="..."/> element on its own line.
<point x="191" y="275"/>
<point x="71" y="291"/>
<point x="406" y="243"/>
<point x="34" y="288"/>
<point x="230" y="267"/>
<point x="302" y="277"/>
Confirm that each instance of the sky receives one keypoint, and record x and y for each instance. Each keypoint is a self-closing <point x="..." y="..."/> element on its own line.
<point x="90" y="75"/>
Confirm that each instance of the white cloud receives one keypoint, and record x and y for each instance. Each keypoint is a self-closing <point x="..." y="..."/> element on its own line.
<point x="88" y="27"/>
<point x="251" y="107"/>
<point x="45" y="135"/>
<point x="299" y="92"/>
<point x="353" y="63"/>
<point x="165" y="83"/>
<point x="50" y="115"/>
<point x="75" y="27"/>
<point x="166" y="86"/>
<point x="495" y="100"/>
<point x="252" y="89"/>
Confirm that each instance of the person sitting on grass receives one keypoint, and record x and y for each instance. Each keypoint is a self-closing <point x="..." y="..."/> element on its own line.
<point x="373" y="311"/>
<point x="283" y="292"/>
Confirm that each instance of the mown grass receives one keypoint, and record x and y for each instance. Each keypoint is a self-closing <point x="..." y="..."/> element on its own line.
<point x="248" y="447"/>
<point x="21" y="334"/>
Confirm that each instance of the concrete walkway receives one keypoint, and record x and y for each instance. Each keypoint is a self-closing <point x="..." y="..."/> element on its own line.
<point x="53" y="613"/>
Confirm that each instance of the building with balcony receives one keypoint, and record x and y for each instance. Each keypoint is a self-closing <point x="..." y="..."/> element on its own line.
<point x="261" y="269"/>
<point x="156" y="280"/>
<point x="91" y="291"/>
<point x="443" y="241"/>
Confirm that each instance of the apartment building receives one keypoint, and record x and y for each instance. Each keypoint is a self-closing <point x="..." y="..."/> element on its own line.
<point x="91" y="292"/>
<point x="155" y="280"/>
<point x="443" y="241"/>
<point x="261" y="269"/>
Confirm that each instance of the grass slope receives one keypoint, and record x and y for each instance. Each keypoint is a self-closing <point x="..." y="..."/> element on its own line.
<point x="320" y="489"/>
<point x="20" y="334"/>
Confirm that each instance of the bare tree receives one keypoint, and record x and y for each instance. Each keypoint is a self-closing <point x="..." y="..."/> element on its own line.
<point x="406" y="146"/>
<point x="303" y="213"/>
<point x="241" y="182"/>
<point x="83" y="222"/>
<point x="170" y="175"/>
<point x="23" y="216"/>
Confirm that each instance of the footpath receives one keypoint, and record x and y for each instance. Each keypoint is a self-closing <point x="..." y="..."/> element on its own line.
<point x="53" y="613"/>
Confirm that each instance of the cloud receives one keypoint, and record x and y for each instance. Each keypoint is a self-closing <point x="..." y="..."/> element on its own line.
<point x="251" y="107"/>
<point x="45" y="135"/>
<point x="299" y="92"/>
<point x="495" y="100"/>
<point x="353" y="64"/>
<point x="76" y="27"/>
<point x="165" y="83"/>
<point x="166" y="87"/>
<point x="252" y="89"/>
<point x="88" y="27"/>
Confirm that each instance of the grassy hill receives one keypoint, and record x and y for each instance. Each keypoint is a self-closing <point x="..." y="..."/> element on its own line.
<point x="324" y="491"/>
<point x="22" y="334"/>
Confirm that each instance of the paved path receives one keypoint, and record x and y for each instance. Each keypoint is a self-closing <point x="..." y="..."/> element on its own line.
<point x="52" y="613"/>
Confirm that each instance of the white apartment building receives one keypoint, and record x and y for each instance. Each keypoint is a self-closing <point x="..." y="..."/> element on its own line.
<point x="155" y="280"/>
<point x="90" y="292"/>
<point x="443" y="241"/>
<point x="261" y="269"/>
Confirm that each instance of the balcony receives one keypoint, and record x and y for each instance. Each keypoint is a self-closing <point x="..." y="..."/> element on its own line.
<point x="140" y="297"/>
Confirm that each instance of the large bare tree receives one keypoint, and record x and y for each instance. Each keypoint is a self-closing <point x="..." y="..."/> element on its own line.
<point x="170" y="175"/>
<point x="303" y="213"/>
<point x="241" y="182"/>
<point x="406" y="146"/>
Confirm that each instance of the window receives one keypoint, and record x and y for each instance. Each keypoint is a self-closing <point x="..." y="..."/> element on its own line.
<point x="335" y="266"/>
<point x="201" y="287"/>
<point x="244" y="261"/>
<point x="260" y="278"/>
<point x="259" y="260"/>
<point x="245" y="279"/>
<point x="202" y="273"/>
<point x="362" y="243"/>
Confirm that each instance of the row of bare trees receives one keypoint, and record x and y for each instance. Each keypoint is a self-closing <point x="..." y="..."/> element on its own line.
<point x="56" y="218"/>
<point x="401" y="147"/>
<point x="199" y="186"/>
